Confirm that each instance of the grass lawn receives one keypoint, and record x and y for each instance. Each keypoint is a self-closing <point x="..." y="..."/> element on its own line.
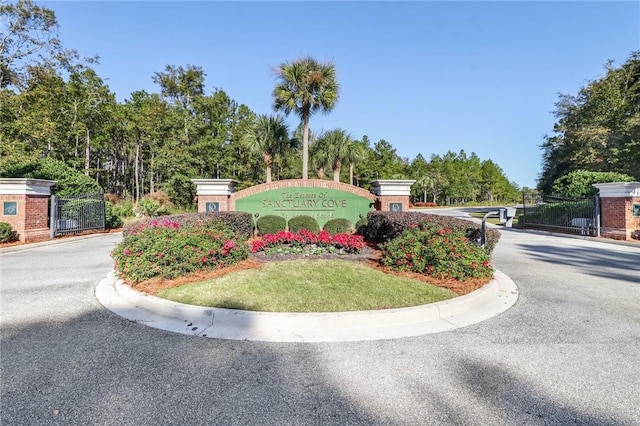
<point x="308" y="286"/>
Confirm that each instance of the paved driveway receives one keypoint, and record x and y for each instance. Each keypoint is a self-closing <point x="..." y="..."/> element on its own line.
<point x="567" y="353"/>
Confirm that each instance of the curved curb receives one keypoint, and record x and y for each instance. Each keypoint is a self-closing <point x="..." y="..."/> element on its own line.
<point x="494" y="298"/>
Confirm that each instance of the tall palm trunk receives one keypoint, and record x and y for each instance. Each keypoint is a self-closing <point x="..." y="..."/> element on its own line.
<point x="305" y="146"/>
<point x="337" y="167"/>
<point x="351" y="173"/>
<point x="268" y="162"/>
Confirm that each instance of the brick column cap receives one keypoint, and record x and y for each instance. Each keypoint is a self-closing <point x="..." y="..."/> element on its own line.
<point x="618" y="189"/>
<point x="215" y="186"/>
<point x="392" y="187"/>
<point x="25" y="186"/>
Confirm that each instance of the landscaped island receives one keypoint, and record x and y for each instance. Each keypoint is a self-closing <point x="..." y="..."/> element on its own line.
<point x="219" y="260"/>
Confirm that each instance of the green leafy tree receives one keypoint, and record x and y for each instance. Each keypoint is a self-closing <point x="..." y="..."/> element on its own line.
<point x="598" y="129"/>
<point x="579" y="183"/>
<point x="68" y="180"/>
<point x="28" y="39"/>
<point x="305" y="86"/>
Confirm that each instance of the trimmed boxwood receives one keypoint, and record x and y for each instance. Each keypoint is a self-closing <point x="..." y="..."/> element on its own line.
<point x="384" y="226"/>
<point x="7" y="234"/>
<point x="239" y="222"/>
<point x="303" y="222"/>
<point x="271" y="224"/>
<point x="338" y="226"/>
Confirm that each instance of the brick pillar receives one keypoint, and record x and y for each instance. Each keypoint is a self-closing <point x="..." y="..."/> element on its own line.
<point x="24" y="204"/>
<point x="620" y="209"/>
<point x="392" y="195"/>
<point x="214" y="194"/>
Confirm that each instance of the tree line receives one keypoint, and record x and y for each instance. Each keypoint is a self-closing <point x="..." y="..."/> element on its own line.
<point x="597" y="131"/>
<point x="54" y="104"/>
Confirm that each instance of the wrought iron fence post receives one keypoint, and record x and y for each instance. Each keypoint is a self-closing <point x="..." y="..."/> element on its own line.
<point x="596" y="204"/>
<point x="53" y="216"/>
<point x="524" y="211"/>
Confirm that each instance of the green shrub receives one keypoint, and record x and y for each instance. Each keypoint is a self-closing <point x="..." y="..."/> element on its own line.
<point x="303" y="222"/>
<point x="338" y="226"/>
<point x="167" y="250"/>
<point x="239" y="223"/>
<point x="111" y="220"/>
<point x="7" y="234"/>
<point x="271" y="224"/>
<point x="148" y="207"/>
<point x="440" y="252"/>
<point x="124" y="209"/>
<point x="361" y="226"/>
<point x="384" y="226"/>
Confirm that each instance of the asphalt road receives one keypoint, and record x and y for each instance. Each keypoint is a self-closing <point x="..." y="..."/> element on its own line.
<point x="568" y="352"/>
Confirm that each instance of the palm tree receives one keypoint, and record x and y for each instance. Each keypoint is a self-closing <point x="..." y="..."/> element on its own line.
<point x="269" y="137"/>
<point x="355" y="154"/>
<point x="320" y="157"/>
<point x="337" y="143"/>
<point x="305" y="86"/>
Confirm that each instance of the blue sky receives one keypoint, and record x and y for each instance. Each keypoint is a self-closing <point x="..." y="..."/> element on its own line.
<point x="426" y="76"/>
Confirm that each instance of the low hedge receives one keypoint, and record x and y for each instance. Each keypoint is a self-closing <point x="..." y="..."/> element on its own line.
<point x="338" y="226"/>
<point x="271" y="224"/>
<point x="298" y="223"/>
<point x="385" y="226"/>
<point x="239" y="222"/>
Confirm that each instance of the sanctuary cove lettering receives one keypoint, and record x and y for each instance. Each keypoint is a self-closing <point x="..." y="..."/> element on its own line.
<point x="323" y="204"/>
<point x="303" y="201"/>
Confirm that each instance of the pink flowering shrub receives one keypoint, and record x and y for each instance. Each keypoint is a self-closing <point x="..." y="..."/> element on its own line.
<point x="436" y="251"/>
<point x="137" y="228"/>
<point x="346" y="242"/>
<point x="167" y="250"/>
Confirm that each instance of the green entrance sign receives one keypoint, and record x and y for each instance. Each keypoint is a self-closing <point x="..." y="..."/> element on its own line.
<point x="320" y="203"/>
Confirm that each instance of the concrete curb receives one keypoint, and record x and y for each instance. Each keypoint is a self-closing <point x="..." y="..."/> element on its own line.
<point x="492" y="299"/>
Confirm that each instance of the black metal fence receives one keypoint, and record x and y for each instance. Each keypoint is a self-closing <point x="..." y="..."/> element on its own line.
<point x="80" y="213"/>
<point x="577" y="216"/>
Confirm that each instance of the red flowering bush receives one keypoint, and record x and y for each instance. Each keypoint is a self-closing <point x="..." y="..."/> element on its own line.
<point x="346" y="242"/>
<point x="167" y="250"/>
<point x="435" y="251"/>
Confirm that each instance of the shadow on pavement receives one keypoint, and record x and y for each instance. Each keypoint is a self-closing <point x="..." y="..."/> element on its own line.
<point x="101" y="369"/>
<point x="591" y="260"/>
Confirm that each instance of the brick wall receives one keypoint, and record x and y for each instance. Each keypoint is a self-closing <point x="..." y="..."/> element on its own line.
<point x="32" y="221"/>
<point x="17" y="221"/>
<point x="222" y="200"/>
<point x="384" y="202"/>
<point x="617" y="217"/>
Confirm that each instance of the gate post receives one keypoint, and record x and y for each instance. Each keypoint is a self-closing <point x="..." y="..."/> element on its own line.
<point x="596" y="217"/>
<point x="25" y="206"/>
<point x="53" y="216"/>
<point x="620" y="203"/>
